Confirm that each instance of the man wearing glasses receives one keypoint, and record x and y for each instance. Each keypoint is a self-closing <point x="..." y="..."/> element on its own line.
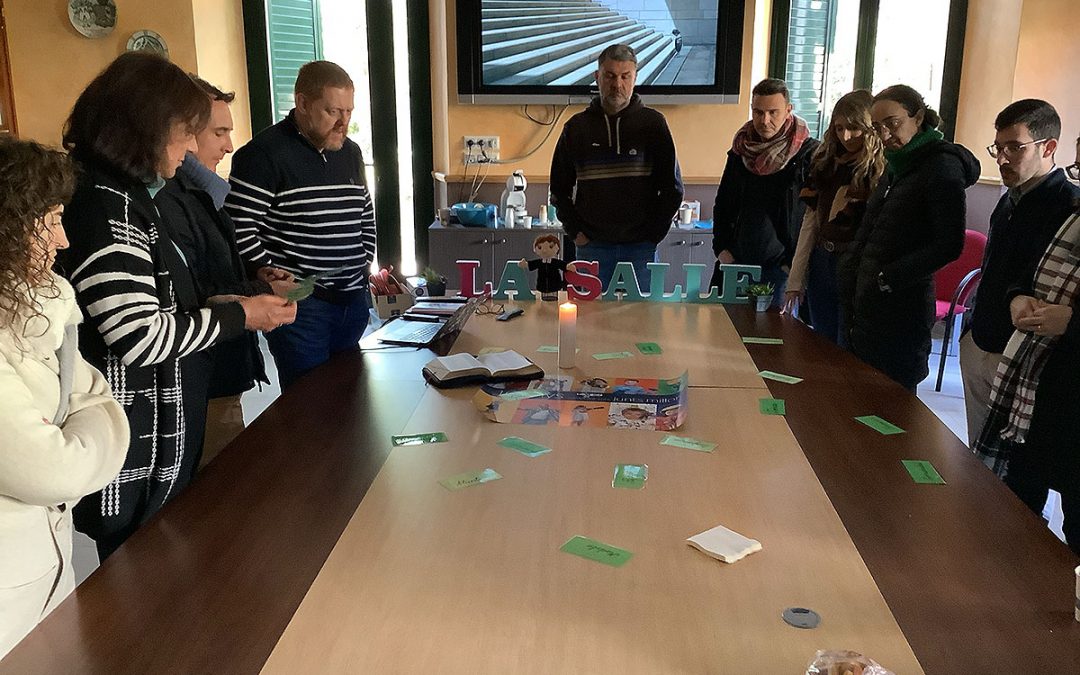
<point x="1038" y="200"/>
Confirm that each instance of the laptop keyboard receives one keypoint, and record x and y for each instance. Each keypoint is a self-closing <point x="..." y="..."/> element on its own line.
<point x="421" y="334"/>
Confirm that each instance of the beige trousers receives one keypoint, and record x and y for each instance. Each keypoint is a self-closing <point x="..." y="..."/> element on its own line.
<point x="977" y="368"/>
<point x="224" y="422"/>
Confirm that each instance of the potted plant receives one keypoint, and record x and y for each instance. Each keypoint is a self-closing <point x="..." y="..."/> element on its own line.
<point x="434" y="282"/>
<point x="762" y="294"/>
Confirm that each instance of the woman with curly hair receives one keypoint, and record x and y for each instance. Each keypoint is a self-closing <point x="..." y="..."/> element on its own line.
<point x="62" y="436"/>
<point x="129" y="131"/>
<point x="844" y="171"/>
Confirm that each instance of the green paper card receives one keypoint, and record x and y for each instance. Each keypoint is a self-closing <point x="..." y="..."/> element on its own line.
<point x="923" y="472"/>
<point x="419" y="439"/>
<point x="772" y="406"/>
<point x="879" y="425"/>
<point x="523" y="394"/>
<point x="649" y="348"/>
<point x="607" y="356"/>
<point x="469" y="479"/>
<point x="548" y="349"/>
<point x="630" y="476"/>
<point x="688" y="443"/>
<point x="527" y="448"/>
<point x="303" y="289"/>
<point x="762" y="341"/>
<point x="779" y="377"/>
<point x="590" y="549"/>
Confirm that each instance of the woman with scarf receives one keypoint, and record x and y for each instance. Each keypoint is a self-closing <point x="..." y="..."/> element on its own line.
<point x="129" y="131"/>
<point x="913" y="226"/>
<point x="1030" y="435"/>
<point x="757" y="212"/>
<point x="845" y="170"/>
<point x="62" y="436"/>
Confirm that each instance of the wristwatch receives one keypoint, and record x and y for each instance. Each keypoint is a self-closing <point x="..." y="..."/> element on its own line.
<point x="882" y="285"/>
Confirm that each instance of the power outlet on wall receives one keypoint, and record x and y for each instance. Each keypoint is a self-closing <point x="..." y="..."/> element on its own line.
<point x="480" y="149"/>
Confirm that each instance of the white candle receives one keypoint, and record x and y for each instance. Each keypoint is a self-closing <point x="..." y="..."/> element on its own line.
<point x="567" y="334"/>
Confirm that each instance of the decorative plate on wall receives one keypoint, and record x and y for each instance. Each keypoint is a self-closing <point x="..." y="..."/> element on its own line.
<point x="92" y="18"/>
<point x="148" y="41"/>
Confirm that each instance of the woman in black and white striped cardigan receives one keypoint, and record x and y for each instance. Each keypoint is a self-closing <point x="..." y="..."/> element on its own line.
<point x="128" y="131"/>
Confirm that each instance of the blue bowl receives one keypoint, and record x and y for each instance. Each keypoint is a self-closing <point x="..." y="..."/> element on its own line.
<point x="472" y="214"/>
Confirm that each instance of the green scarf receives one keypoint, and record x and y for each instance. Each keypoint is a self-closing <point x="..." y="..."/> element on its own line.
<point x="900" y="161"/>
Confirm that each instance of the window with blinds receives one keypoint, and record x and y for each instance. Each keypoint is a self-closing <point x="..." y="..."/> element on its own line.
<point x="294" y="33"/>
<point x="810" y="30"/>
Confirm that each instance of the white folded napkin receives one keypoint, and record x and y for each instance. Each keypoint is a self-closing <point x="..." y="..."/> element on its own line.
<point x="723" y="544"/>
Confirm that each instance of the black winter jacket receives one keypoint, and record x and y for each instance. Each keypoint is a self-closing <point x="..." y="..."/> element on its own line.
<point x="625" y="172"/>
<point x="914" y="225"/>
<point x="758" y="218"/>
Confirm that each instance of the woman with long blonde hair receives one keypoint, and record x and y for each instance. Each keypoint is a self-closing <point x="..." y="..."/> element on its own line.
<point x="844" y="171"/>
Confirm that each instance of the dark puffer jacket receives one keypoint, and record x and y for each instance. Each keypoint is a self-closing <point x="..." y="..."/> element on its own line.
<point x="914" y="225"/>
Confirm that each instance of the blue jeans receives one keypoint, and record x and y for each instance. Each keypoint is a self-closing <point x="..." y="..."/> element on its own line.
<point x="608" y="254"/>
<point x="823" y="296"/>
<point x="321" y="330"/>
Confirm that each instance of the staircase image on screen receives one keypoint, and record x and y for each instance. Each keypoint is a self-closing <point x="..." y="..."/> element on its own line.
<point x="556" y="42"/>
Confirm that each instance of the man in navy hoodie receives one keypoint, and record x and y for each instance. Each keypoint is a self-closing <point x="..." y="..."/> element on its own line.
<point x="620" y="157"/>
<point x="1039" y="200"/>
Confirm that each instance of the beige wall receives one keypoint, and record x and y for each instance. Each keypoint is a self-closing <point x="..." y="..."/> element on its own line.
<point x="702" y="132"/>
<point x="222" y="61"/>
<point x="51" y="62"/>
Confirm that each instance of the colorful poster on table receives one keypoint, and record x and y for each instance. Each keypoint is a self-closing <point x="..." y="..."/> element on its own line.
<point x="653" y="404"/>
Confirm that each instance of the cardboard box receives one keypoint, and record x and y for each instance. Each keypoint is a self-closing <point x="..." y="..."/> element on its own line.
<point x="389" y="306"/>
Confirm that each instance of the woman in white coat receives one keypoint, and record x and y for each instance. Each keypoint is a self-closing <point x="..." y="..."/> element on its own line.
<point x="62" y="435"/>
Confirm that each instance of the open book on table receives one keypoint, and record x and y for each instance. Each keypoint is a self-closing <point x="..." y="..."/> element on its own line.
<point x="458" y="370"/>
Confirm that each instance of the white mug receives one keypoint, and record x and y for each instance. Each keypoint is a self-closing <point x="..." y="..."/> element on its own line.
<point x="686" y="214"/>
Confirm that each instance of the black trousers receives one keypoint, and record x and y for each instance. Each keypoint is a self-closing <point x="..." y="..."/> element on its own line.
<point x="1035" y="469"/>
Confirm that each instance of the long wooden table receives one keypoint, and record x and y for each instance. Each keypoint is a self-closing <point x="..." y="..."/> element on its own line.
<point x="266" y="561"/>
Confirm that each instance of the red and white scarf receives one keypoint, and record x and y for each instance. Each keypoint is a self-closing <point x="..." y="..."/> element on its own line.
<point x="767" y="157"/>
<point x="1012" y="398"/>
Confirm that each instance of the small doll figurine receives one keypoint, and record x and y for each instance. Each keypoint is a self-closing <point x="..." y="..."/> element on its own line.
<point x="549" y="267"/>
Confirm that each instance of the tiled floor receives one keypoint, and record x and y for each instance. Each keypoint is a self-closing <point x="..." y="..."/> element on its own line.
<point x="948" y="405"/>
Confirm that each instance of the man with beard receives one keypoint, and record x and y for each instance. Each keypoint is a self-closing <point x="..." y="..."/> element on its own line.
<point x="615" y="180"/>
<point x="301" y="205"/>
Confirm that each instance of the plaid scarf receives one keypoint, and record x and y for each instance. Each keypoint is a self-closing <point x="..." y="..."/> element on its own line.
<point x="767" y="157"/>
<point x="1012" y="398"/>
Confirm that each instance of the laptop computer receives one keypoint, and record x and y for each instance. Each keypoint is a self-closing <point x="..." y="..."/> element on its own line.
<point x="406" y="331"/>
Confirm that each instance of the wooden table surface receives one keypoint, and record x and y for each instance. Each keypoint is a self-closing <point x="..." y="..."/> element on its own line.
<point x="974" y="580"/>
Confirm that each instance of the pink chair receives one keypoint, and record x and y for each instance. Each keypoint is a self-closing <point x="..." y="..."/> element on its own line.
<point x="954" y="284"/>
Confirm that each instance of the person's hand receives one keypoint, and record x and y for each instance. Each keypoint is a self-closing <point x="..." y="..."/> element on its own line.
<point x="1022" y="307"/>
<point x="524" y="264"/>
<point x="267" y="312"/>
<point x="282" y="287"/>
<point x="581" y="239"/>
<point x="222" y="299"/>
<point x="786" y="269"/>
<point x="792" y="299"/>
<point x="270" y="274"/>
<point x="571" y="267"/>
<point x="1047" y="320"/>
<point x="725" y="257"/>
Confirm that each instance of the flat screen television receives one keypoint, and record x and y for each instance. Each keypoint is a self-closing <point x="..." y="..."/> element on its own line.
<point x="544" y="51"/>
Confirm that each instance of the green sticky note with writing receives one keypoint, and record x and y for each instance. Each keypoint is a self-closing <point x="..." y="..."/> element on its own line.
<point x="523" y="394"/>
<point x="600" y="552"/>
<point x="772" y="406"/>
<point x="879" y="425"/>
<point x="548" y="349"/>
<point x="923" y="472"/>
<point x="469" y="479"/>
<point x="630" y="476"/>
<point x="649" y="348"/>
<point x="527" y="448"/>
<point x="688" y="443"/>
<point x="607" y="356"/>
<point x="762" y="341"/>
<point x="779" y="377"/>
<point x="419" y="439"/>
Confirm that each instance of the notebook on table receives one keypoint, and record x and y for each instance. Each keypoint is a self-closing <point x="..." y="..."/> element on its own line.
<point x="416" y="333"/>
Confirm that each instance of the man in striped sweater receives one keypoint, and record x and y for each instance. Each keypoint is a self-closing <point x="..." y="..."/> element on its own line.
<point x="300" y="204"/>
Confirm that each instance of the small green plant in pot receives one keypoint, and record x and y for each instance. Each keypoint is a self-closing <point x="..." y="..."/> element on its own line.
<point x="762" y="294"/>
<point x="434" y="282"/>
